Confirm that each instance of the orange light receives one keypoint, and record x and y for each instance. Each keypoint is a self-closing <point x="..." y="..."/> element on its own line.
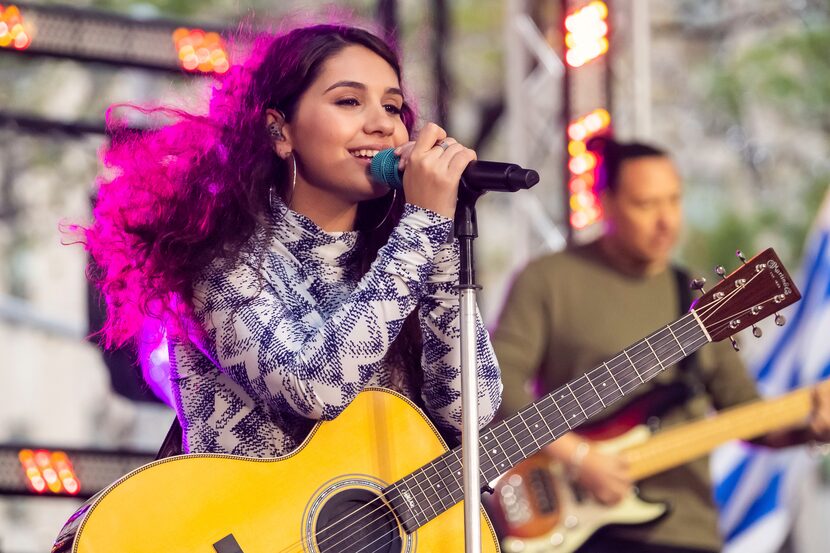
<point x="593" y="122"/>
<point x="582" y="163"/>
<point x="201" y="51"/>
<point x="577" y="130"/>
<point x="576" y="147"/>
<point x="578" y="184"/>
<point x="579" y="219"/>
<point x="14" y="32"/>
<point x="584" y="204"/>
<point x="587" y="29"/>
<point x="49" y="471"/>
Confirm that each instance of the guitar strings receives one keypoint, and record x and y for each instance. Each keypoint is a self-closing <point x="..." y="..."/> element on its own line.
<point x="425" y="495"/>
<point x="627" y="380"/>
<point x="703" y="313"/>
<point x="521" y="450"/>
<point x="707" y="314"/>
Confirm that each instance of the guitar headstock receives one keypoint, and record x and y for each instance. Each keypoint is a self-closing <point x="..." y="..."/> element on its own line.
<point x="757" y="289"/>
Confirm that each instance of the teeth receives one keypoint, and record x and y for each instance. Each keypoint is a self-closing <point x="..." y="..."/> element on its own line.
<point x="365" y="153"/>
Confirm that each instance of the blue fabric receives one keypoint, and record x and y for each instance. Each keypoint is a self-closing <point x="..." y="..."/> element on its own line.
<point x="756" y="487"/>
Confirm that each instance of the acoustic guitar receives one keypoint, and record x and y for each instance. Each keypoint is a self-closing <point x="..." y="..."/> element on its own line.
<point x="538" y="509"/>
<point x="379" y="478"/>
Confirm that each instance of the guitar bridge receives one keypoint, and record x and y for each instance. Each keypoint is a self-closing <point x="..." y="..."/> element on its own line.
<point x="228" y="544"/>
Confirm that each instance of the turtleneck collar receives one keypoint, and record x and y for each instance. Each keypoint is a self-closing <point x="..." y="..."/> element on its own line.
<point x="311" y="244"/>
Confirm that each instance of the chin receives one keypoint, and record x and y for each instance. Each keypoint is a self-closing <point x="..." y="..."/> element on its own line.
<point x="378" y="190"/>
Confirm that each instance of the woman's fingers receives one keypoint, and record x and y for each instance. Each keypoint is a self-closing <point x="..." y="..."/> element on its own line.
<point x="433" y="166"/>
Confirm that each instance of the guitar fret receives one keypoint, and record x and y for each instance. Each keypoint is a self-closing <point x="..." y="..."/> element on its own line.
<point x="659" y="361"/>
<point x="517" y="443"/>
<point x="564" y="418"/>
<point x="576" y="399"/>
<point x="634" y="367"/>
<point x="442" y="487"/>
<point x="588" y="378"/>
<point x="451" y="469"/>
<point x="483" y="448"/>
<point x="530" y="433"/>
<point x="607" y="368"/>
<point x="683" y="351"/>
<point x="542" y="418"/>
<point x="431" y="482"/>
<point x="503" y="459"/>
<point x="425" y="494"/>
<point x="455" y="473"/>
<point x="409" y="499"/>
<point x="670" y="349"/>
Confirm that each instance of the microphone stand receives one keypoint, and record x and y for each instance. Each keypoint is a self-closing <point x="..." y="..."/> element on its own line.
<point x="466" y="230"/>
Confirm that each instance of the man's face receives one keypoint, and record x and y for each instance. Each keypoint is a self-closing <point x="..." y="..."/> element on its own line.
<point x="644" y="214"/>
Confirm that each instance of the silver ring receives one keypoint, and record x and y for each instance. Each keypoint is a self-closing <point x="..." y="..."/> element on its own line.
<point x="444" y="145"/>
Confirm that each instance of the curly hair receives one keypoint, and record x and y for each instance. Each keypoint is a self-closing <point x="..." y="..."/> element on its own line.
<point x="174" y="199"/>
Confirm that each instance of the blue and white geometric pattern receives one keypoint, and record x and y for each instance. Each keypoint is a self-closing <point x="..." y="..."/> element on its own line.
<point x="293" y="334"/>
<point x="757" y="489"/>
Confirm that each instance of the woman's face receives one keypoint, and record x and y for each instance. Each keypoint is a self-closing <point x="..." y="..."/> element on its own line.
<point x="349" y="113"/>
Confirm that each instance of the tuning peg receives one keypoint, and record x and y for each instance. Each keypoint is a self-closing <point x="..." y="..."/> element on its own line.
<point x="757" y="331"/>
<point x="720" y="271"/>
<point x="740" y="256"/>
<point x="698" y="284"/>
<point x="780" y="319"/>
<point x="735" y="345"/>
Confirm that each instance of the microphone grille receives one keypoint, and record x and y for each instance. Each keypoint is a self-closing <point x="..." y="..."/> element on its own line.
<point x="384" y="168"/>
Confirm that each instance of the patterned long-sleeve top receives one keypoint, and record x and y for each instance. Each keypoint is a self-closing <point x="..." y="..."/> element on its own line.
<point x="291" y="335"/>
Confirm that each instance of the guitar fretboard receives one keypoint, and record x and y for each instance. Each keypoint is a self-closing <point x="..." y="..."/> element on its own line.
<point x="429" y="491"/>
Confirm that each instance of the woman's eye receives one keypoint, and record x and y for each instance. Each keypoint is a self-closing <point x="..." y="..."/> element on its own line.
<point x="348" y="102"/>
<point x="393" y="109"/>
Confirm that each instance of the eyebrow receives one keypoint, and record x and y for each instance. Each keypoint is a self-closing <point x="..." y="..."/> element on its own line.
<point x="361" y="86"/>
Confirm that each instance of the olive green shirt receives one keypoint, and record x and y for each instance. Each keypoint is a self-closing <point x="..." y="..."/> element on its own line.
<point x="568" y="312"/>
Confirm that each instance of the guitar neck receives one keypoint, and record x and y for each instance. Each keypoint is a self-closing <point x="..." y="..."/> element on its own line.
<point x="744" y="297"/>
<point x="677" y="446"/>
<point x="514" y="439"/>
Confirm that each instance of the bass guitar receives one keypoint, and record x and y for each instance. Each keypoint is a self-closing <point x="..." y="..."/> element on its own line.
<point x="379" y="478"/>
<point x="538" y="509"/>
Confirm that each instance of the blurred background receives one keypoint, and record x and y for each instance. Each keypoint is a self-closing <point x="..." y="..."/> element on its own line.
<point x="737" y="90"/>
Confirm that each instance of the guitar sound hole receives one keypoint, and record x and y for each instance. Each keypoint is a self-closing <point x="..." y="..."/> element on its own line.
<point x="355" y="521"/>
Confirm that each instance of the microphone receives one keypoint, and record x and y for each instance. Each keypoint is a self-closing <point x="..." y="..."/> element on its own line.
<point x="480" y="176"/>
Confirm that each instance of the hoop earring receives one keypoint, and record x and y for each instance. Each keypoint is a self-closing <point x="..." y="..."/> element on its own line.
<point x="293" y="185"/>
<point x="388" y="211"/>
<point x="293" y="178"/>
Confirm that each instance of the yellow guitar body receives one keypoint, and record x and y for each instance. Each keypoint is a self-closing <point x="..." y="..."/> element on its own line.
<point x="192" y="502"/>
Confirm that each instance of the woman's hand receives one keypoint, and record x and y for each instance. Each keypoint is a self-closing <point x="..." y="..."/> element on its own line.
<point x="432" y="171"/>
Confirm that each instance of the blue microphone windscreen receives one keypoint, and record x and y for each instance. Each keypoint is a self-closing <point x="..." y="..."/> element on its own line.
<point x="384" y="169"/>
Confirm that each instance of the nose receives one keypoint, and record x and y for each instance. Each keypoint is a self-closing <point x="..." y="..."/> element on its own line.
<point x="378" y="121"/>
<point x="668" y="217"/>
